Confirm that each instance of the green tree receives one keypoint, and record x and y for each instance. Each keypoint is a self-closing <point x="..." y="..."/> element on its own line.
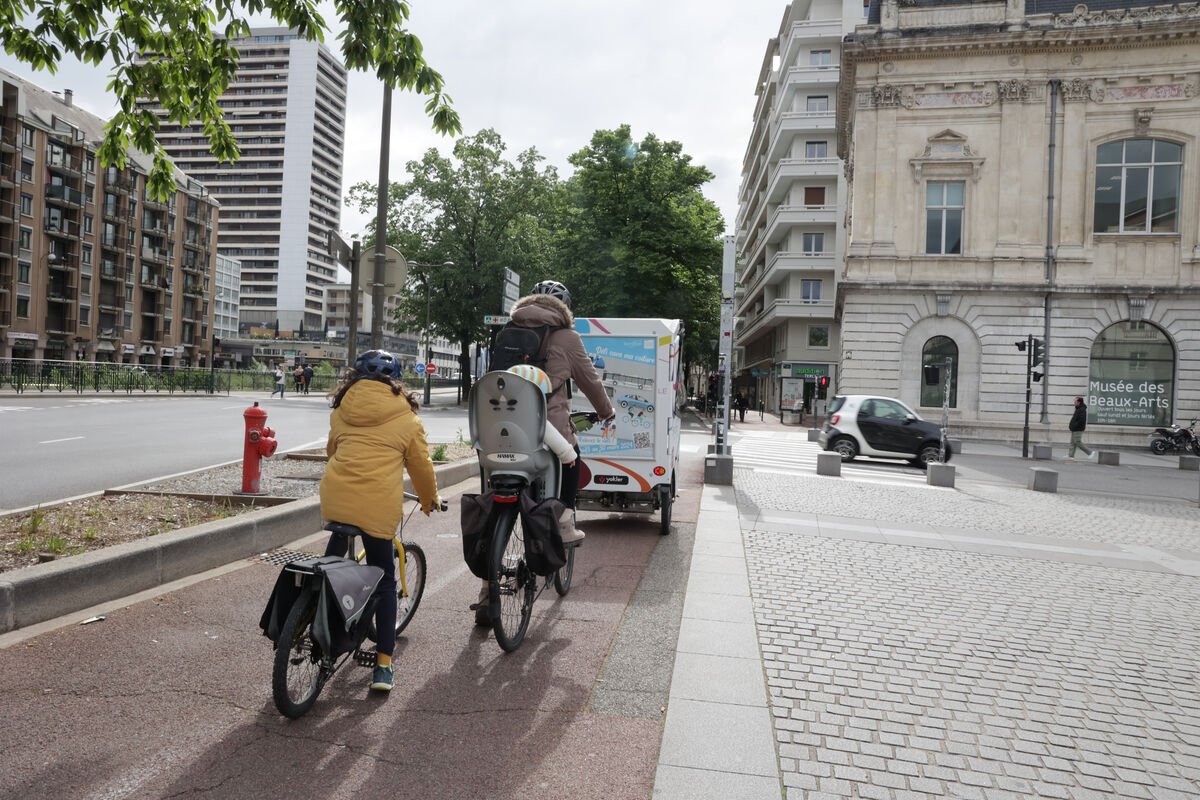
<point x="639" y="239"/>
<point x="189" y="60"/>
<point x="477" y="210"/>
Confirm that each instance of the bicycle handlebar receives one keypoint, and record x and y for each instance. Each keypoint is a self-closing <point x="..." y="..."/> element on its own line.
<point x="441" y="505"/>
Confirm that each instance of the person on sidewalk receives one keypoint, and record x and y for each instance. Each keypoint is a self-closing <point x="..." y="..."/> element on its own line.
<point x="308" y="376"/>
<point x="374" y="430"/>
<point x="1076" y="426"/>
<point x="549" y="303"/>
<point x="280" y="380"/>
<point x="740" y="402"/>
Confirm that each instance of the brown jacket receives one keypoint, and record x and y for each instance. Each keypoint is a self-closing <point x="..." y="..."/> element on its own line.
<point x="565" y="359"/>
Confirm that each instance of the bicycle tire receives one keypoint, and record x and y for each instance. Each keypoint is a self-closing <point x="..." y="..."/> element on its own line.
<point x="414" y="579"/>
<point x="511" y="584"/>
<point x="562" y="577"/>
<point x="297" y="677"/>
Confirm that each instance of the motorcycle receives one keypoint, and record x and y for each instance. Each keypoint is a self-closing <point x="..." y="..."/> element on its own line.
<point x="1174" y="439"/>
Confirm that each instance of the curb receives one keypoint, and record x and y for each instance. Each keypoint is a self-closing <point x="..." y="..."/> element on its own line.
<point x="44" y="591"/>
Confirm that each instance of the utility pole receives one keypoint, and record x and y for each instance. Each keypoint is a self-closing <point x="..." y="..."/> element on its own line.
<point x="377" y="286"/>
<point x="718" y="464"/>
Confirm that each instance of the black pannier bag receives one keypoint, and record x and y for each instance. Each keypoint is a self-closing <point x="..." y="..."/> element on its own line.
<point x="478" y="518"/>
<point x="346" y="601"/>
<point x="544" y="552"/>
<point x="516" y="344"/>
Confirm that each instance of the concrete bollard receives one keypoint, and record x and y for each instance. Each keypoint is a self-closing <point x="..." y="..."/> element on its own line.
<point x="940" y="475"/>
<point x="829" y="464"/>
<point x="718" y="469"/>
<point x="1110" y="458"/>
<point x="814" y="434"/>
<point x="1043" y="480"/>
<point x="1189" y="463"/>
<point x="1043" y="452"/>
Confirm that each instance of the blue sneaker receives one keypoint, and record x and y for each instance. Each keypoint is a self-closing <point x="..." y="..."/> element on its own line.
<point x="381" y="680"/>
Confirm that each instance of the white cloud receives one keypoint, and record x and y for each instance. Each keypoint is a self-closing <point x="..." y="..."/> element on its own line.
<point x="547" y="74"/>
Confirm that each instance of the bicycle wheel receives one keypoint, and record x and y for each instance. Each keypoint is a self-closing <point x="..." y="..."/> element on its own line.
<point x="408" y="597"/>
<point x="511" y="584"/>
<point x="297" y="677"/>
<point x="562" y="578"/>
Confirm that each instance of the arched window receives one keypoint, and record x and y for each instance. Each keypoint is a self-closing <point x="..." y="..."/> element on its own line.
<point x="934" y="354"/>
<point x="1131" y="378"/>
<point x="1137" y="186"/>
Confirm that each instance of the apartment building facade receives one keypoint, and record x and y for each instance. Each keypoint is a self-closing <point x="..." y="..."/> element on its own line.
<point x="1025" y="168"/>
<point x="790" y="232"/>
<point x="408" y="346"/>
<point x="287" y="109"/>
<point x="226" y="297"/>
<point x="92" y="267"/>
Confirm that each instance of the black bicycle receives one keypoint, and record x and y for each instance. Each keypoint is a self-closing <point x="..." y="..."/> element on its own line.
<point x="318" y="636"/>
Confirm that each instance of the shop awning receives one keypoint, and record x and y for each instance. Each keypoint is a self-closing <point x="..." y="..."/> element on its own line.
<point x="146" y="350"/>
<point x="105" y="347"/>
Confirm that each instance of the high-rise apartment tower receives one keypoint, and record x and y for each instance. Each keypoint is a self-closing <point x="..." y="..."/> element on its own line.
<point x="287" y="108"/>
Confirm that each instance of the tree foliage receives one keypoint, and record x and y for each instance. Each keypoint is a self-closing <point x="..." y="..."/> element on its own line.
<point x="477" y="210"/>
<point x="187" y="60"/>
<point x="639" y="239"/>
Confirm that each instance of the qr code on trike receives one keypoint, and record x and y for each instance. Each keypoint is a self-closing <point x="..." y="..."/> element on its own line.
<point x="641" y="440"/>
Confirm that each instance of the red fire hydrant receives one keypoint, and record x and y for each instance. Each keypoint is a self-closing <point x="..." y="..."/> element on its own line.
<point x="260" y="444"/>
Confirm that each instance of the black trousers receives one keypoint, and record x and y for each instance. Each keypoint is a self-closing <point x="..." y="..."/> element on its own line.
<point x="568" y="487"/>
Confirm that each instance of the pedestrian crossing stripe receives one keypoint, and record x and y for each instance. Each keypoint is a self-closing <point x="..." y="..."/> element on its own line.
<point x="792" y="454"/>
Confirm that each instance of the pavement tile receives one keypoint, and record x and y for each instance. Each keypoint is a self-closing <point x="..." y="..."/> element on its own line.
<point x="745" y="743"/>
<point x="719" y="679"/>
<point x="683" y="783"/>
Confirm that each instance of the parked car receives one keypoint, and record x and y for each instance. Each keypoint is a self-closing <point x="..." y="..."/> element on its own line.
<point x="880" y="427"/>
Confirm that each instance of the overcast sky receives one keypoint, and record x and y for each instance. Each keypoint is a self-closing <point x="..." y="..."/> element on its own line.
<point x="546" y="74"/>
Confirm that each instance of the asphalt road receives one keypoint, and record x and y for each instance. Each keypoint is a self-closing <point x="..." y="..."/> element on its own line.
<point x="61" y="446"/>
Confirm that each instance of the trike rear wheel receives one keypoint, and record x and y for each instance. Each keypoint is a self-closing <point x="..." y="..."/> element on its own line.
<point x="562" y="578"/>
<point x="297" y="679"/>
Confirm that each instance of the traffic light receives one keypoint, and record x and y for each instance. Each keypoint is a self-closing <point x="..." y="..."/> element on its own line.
<point x="1038" y="356"/>
<point x="822" y="386"/>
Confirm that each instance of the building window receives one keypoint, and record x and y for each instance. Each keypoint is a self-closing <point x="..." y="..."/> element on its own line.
<point x="23" y="271"/>
<point x="88" y="222"/>
<point x="1131" y="376"/>
<point x="27" y="136"/>
<point x="27" y="204"/>
<point x="818" y="104"/>
<point x="23" y="307"/>
<point x="25" y="239"/>
<point x="816" y="149"/>
<point x="814" y="196"/>
<point x="85" y="315"/>
<point x="814" y="243"/>
<point x="820" y="58"/>
<point x="818" y="336"/>
<point x="87" y="253"/>
<point x="1137" y="186"/>
<point x="934" y="354"/>
<point x="943" y="217"/>
<point x="810" y="291"/>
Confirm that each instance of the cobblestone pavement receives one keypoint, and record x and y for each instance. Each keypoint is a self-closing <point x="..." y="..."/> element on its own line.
<point x="959" y="668"/>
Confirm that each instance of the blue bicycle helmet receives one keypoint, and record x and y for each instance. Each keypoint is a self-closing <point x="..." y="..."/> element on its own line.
<point x="554" y="289"/>
<point x="377" y="364"/>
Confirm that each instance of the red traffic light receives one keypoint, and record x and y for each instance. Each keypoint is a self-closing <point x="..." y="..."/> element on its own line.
<point x="823" y="380"/>
<point x="1020" y="345"/>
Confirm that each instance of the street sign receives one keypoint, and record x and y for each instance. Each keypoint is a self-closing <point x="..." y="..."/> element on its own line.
<point x="395" y="270"/>
<point x="495" y="319"/>
<point x="431" y="368"/>
<point x="510" y="276"/>
<point x="420" y="368"/>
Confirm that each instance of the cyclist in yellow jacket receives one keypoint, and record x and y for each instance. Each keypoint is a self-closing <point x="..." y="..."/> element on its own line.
<point x="374" y="430"/>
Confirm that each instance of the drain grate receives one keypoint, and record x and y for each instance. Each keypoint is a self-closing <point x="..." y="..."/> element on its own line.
<point x="282" y="557"/>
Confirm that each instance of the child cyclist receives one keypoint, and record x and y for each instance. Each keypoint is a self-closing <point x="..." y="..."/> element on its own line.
<point x="373" y="430"/>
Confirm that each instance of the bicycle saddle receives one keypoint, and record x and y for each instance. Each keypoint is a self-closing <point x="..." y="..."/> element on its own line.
<point x="344" y="529"/>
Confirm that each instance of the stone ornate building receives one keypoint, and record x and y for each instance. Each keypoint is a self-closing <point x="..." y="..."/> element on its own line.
<point x="1024" y="168"/>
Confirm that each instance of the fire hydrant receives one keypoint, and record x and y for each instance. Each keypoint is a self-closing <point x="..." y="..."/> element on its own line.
<point x="260" y="444"/>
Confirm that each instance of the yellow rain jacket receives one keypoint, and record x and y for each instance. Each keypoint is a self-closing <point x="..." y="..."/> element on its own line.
<point x="372" y="434"/>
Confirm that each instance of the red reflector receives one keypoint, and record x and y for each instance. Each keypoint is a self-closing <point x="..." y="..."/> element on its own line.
<point x="660" y="471"/>
<point x="502" y="499"/>
<point x="832" y="420"/>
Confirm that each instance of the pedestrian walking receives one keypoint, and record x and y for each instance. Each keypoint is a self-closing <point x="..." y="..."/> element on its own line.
<point x="298" y="377"/>
<point x="1077" y="425"/>
<point x="308" y="376"/>
<point x="280" y="380"/>
<point x="740" y="402"/>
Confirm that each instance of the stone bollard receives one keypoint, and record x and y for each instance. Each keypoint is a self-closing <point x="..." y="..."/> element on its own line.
<point x="940" y="475"/>
<point x="1110" y="458"/>
<point x="1043" y="480"/>
<point x="829" y="464"/>
<point x="1189" y="463"/>
<point x="814" y="434"/>
<point x="1043" y="452"/>
<point x="718" y="469"/>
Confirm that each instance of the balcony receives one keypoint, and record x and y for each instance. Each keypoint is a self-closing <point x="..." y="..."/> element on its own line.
<point x="196" y="268"/>
<point x="59" y="162"/>
<point x="152" y="280"/>
<point x="110" y="271"/>
<point x="789" y="124"/>
<point x="807" y="32"/>
<point x="61" y="227"/>
<point x="789" y="170"/>
<point x="157" y="254"/>
<point x="8" y="177"/>
<point x="60" y="324"/>
<point x="155" y="226"/>
<point x="118" y="181"/>
<point x="785" y="217"/>
<point x="61" y="259"/>
<point x="5" y="318"/>
<point x="60" y="293"/>
<point x="151" y="202"/>
<point x="111" y="302"/>
<point x="112" y="211"/>
<point x="194" y="289"/>
<point x="150" y="334"/>
<point x="782" y="309"/>
<point x="64" y="194"/>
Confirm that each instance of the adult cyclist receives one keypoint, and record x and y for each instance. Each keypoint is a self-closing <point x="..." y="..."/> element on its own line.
<point x="549" y="303"/>
<point x="374" y="431"/>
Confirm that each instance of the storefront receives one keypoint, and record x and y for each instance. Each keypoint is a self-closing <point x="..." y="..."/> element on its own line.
<point x="1131" y="376"/>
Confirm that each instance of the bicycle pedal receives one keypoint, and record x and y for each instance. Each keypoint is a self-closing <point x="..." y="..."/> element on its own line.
<point x="365" y="658"/>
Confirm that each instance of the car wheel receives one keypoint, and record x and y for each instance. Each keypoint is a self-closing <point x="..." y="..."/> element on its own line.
<point x="928" y="454"/>
<point x="846" y="447"/>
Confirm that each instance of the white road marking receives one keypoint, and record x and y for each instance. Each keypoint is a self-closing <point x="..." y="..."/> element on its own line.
<point x="68" y="439"/>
